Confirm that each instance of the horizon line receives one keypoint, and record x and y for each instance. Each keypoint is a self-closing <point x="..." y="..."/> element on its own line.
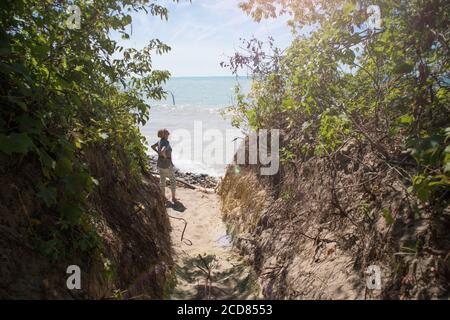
<point x="208" y="76"/>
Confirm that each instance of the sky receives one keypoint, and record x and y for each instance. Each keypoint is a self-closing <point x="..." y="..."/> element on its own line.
<point x="202" y="33"/>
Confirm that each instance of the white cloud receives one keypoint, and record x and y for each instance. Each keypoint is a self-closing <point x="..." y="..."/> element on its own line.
<point x="201" y="34"/>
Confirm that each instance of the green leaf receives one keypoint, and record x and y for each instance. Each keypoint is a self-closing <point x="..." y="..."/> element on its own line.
<point x="48" y="195"/>
<point x="46" y="160"/>
<point x="15" y="143"/>
<point x="29" y="124"/>
<point x="71" y="213"/>
<point x="447" y="167"/>
<point x="15" y="68"/>
<point x="406" y="119"/>
<point x="388" y="216"/>
<point x="427" y="151"/>
<point x="348" y="8"/>
<point x="349" y="56"/>
<point x="443" y="181"/>
<point x="63" y="166"/>
<point x="422" y="188"/>
<point x="403" y="67"/>
<point x="76" y="183"/>
<point x="19" y="102"/>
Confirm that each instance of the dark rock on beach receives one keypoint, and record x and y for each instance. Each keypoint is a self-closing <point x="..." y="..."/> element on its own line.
<point x="196" y="179"/>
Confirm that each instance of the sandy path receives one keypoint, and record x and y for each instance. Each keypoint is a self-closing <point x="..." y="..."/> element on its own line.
<point x="229" y="277"/>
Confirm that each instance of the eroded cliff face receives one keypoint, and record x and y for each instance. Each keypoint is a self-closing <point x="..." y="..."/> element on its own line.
<point x="134" y="256"/>
<point x="312" y="231"/>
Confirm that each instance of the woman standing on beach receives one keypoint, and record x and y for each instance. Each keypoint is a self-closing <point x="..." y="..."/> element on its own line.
<point x="165" y="165"/>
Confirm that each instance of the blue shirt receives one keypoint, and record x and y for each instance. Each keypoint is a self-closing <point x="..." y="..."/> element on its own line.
<point x="164" y="143"/>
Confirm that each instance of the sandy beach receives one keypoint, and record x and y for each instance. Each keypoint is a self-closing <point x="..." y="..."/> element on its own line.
<point x="207" y="266"/>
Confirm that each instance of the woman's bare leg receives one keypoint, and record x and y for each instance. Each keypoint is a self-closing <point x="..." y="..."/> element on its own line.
<point x="173" y="184"/>
<point x="162" y="182"/>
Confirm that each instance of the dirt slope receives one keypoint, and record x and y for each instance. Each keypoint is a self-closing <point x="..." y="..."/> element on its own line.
<point x="132" y="223"/>
<point x="312" y="230"/>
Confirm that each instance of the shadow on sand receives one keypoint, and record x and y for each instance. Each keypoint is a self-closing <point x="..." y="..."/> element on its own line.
<point x="202" y="280"/>
<point x="177" y="206"/>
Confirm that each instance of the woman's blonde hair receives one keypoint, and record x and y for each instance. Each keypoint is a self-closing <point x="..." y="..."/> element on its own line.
<point x="162" y="133"/>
